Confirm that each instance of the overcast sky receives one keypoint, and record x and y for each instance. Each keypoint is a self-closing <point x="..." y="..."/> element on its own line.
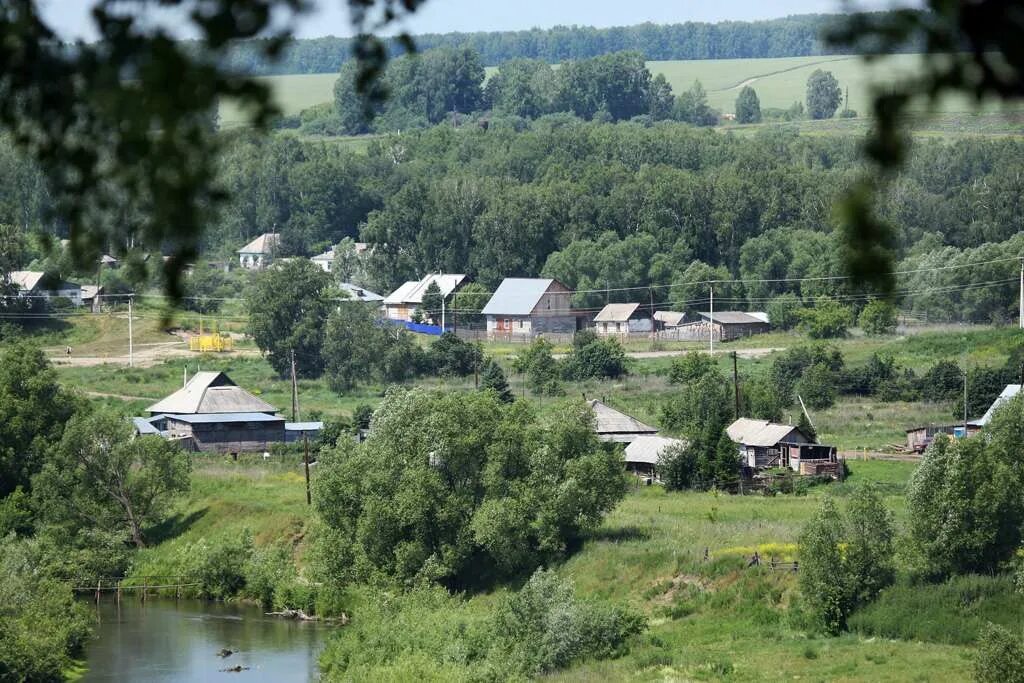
<point x="71" y="17"/>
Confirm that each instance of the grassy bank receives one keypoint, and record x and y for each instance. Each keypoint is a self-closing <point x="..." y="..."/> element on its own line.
<point x="711" y="620"/>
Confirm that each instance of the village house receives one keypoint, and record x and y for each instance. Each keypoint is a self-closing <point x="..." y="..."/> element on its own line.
<point x="920" y="438"/>
<point x="524" y="307"/>
<point x="358" y="293"/>
<point x="615" y="426"/>
<point x="211" y="413"/>
<point x="404" y="301"/>
<point x="34" y="284"/>
<point x="644" y="452"/>
<point x="724" y="326"/>
<point x="325" y="261"/>
<point x="621" y="319"/>
<point x="764" y="445"/>
<point x="259" y="253"/>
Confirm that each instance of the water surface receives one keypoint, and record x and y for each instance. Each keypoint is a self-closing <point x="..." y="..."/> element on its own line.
<point x="169" y="640"/>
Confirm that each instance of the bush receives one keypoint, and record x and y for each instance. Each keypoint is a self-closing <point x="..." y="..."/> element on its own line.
<point x="220" y="568"/>
<point x="540" y="368"/>
<point x="595" y="359"/>
<point x="878" y="317"/>
<point x="689" y="367"/>
<point x="817" y="386"/>
<point x="1000" y="657"/>
<point x="783" y="311"/>
<point x="827" y="320"/>
<point x="789" y="366"/>
<point x="450" y="356"/>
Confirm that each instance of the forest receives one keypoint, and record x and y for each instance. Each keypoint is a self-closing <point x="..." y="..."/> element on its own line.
<point x="794" y="36"/>
<point x="605" y="206"/>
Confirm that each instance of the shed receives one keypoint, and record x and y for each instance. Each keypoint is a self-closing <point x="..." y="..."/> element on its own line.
<point x="668" y="319"/>
<point x="295" y="431"/>
<point x="763" y="444"/>
<point x="226" y="432"/>
<point x="643" y="453"/>
<point x="621" y="319"/>
<point x="725" y="325"/>
<point x="616" y="426"/>
<point x="524" y="307"/>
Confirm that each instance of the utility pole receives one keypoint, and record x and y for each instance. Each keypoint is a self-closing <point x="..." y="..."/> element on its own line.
<point x="711" y="322"/>
<point x="295" y="391"/>
<point x="1021" y="318"/>
<point x="305" y="461"/>
<point x="736" y="384"/>
<point x="442" y="314"/>
<point x="131" y="350"/>
<point x="965" y="399"/>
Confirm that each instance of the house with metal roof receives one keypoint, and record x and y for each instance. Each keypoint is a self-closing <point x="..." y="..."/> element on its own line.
<point x="259" y="253"/>
<point x="401" y="303"/>
<point x="724" y="326"/>
<point x="210" y="393"/>
<point x="524" y="307"/>
<point x="621" y="319"/>
<point x="615" y="426"/>
<point x="643" y="454"/>
<point x="41" y="286"/>
<point x="763" y="445"/>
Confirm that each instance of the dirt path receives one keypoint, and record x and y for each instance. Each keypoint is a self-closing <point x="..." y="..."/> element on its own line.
<point x="877" y="455"/>
<point x="122" y="397"/>
<point x="146" y="355"/>
<point x="742" y="353"/>
<point x="753" y="79"/>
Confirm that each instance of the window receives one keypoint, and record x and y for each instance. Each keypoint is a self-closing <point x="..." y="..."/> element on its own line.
<point x="521" y="324"/>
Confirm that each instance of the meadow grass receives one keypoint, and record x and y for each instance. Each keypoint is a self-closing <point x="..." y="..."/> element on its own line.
<point x="778" y="81"/>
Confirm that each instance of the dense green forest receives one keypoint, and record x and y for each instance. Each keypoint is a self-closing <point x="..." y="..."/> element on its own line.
<point x="794" y="36"/>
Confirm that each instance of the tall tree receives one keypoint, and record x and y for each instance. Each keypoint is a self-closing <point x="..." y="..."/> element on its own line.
<point x="104" y="479"/>
<point x="748" y="106"/>
<point x="288" y="306"/>
<point x="692" y="107"/>
<point x="823" y="94"/>
<point x="492" y="378"/>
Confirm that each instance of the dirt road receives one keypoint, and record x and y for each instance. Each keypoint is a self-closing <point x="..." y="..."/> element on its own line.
<point x="144" y="356"/>
<point x="742" y="353"/>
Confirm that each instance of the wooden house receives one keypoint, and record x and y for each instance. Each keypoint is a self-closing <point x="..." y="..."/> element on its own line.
<point x="259" y="253"/>
<point x="525" y="307"/>
<point x="613" y="425"/>
<point x="40" y="286"/>
<point x="764" y="445"/>
<point x="668" y="320"/>
<point x="401" y="303"/>
<point x="621" y="319"/>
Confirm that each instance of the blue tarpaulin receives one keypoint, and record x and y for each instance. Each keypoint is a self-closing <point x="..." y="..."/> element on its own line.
<point x="420" y="328"/>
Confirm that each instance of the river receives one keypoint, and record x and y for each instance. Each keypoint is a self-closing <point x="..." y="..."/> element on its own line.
<point x="179" y="640"/>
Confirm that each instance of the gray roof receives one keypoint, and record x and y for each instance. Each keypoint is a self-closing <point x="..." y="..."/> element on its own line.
<point x="735" y="317"/>
<point x="144" y="426"/>
<point x="263" y="244"/>
<point x="615" y="425"/>
<point x="208" y="418"/>
<point x="303" y="426"/>
<point x="1008" y="394"/>
<point x="760" y="433"/>
<point x="358" y="293"/>
<point x="518" y="295"/>
<point x="616" y="313"/>
<point x="211" y="392"/>
<point x="670" y="318"/>
<point x="647" y="449"/>
<point x="412" y="292"/>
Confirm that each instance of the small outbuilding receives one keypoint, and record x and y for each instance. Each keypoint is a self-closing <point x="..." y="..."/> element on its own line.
<point x="763" y="445"/>
<point x="622" y="319"/>
<point x="724" y="326"/>
<point x="644" y="452"/>
<point x="668" y="320"/>
<point x="1008" y="394"/>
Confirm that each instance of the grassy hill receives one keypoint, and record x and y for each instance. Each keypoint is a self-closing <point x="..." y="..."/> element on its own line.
<point x="778" y="82"/>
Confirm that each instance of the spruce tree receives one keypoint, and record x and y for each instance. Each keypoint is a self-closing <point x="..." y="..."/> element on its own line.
<point x="492" y="377"/>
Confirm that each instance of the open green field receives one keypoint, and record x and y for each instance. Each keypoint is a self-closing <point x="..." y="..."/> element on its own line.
<point x="778" y="82"/>
<point x="707" y="621"/>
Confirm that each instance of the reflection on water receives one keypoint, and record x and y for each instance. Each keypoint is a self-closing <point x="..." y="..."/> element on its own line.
<point x="168" y="640"/>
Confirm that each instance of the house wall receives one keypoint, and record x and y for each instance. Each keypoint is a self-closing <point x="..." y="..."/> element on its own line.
<point x="399" y="311"/>
<point x="230" y="437"/>
<point x="612" y="329"/>
<point x="254" y="261"/>
<point x="701" y="330"/>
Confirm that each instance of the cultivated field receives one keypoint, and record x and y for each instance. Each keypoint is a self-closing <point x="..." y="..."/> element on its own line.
<point x="778" y="82"/>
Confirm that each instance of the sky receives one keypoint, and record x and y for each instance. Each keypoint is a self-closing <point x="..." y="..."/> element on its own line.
<point x="71" y="17"/>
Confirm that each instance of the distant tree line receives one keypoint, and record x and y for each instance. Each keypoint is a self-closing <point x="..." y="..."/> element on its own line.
<point x="795" y="36"/>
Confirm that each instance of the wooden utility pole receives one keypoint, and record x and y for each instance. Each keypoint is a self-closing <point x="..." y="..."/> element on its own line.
<point x="736" y="384"/>
<point x="131" y="351"/>
<point x="305" y="461"/>
<point x="711" y="322"/>
<point x="295" y="391"/>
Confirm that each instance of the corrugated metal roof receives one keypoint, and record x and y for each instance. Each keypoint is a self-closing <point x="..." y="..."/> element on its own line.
<point x="670" y="318"/>
<point x="517" y="296"/>
<point x="733" y="318"/>
<point x="303" y="426"/>
<point x="326" y="256"/>
<point x="1008" y="394"/>
<point x="759" y="432"/>
<point x="26" y="279"/>
<point x="207" y="418"/>
<point x="616" y="313"/>
<point x="412" y="292"/>
<point x="211" y="392"/>
<point x="263" y="244"/>
<point x="143" y="426"/>
<point x="615" y="425"/>
<point x="647" y="449"/>
<point x="359" y="293"/>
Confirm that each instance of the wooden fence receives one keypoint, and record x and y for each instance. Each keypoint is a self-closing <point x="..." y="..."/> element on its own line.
<point x="119" y="585"/>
